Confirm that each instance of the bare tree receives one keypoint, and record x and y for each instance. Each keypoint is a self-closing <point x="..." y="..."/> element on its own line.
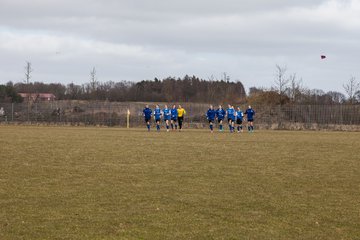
<point x="211" y="88"/>
<point x="295" y="88"/>
<point x="357" y="95"/>
<point x="281" y="82"/>
<point x="351" y="87"/>
<point x="336" y="97"/>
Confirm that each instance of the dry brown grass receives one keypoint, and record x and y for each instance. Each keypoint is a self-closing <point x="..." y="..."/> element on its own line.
<point x="109" y="183"/>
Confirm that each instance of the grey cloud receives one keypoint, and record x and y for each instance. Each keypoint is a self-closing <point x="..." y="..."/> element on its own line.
<point x="244" y="38"/>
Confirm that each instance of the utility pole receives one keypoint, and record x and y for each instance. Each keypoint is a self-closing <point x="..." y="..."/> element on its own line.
<point x="28" y="71"/>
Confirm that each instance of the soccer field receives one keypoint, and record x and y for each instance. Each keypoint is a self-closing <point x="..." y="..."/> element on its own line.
<point x="110" y="183"/>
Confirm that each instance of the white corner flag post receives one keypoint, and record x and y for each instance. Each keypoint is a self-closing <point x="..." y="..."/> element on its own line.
<point x="128" y="119"/>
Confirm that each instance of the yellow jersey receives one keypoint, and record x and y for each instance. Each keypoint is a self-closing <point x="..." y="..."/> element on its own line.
<point x="181" y="112"/>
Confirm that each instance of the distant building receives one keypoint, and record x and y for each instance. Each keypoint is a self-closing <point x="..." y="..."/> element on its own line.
<point x="37" y="96"/>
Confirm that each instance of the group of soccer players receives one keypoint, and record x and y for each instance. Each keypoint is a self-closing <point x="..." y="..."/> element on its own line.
<point x="175" y="116"/>
<point x="171" y="116"/>
<point x="233" y="117"/>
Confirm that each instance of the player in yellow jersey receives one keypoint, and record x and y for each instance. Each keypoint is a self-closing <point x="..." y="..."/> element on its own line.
<point x="181" y="113"/>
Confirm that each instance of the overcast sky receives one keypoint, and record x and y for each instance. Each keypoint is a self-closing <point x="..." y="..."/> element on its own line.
<point x="143" y="39"/>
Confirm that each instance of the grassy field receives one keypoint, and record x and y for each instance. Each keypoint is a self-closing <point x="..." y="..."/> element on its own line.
<point x="109" y="183"/>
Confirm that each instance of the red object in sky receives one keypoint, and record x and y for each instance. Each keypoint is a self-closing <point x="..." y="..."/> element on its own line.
<point x="323" y="56"/>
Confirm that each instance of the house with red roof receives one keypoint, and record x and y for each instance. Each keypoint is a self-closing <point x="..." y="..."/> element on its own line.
<point x="38" y="96"/>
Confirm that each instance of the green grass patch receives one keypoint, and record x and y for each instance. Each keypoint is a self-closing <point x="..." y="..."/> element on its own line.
<point x="110" y="183"/>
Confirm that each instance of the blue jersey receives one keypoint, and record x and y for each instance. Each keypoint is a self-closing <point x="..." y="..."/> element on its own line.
<point x="230" y="113"/>
<point x="239" y="115"/>
<point x="250" y="114"/>
<point x="174" y="114"/>
<point x="147" y="113"/>
<point x="167" y="114"/>
<point x="210" y="114"/>
<point x="220" y="114"/>
<point x="157" y="113"/>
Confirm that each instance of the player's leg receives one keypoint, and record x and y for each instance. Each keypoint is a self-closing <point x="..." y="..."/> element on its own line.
<point x="147" y="124"/>
<point x="158" y="124"/>
<point x="220" y="124"/>
<point x="180" y="119"/>
<point x="211" y="125"/>
<point x="167" y="125"/>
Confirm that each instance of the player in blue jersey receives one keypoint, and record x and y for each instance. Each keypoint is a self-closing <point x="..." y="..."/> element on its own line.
<point x="230" y="112"/>
<point x="250" y="113"/>
<point x="174" y="117"/>
<point x="210" y="115"/>
<point x="239" y="119"/>
<point x="167" y="117"/>
<point x="220" y="115"/>
<point x="157" y="117"/>
<point x="147" y="115"/>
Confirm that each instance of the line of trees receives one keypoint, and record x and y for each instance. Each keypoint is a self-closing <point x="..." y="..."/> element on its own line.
<point x="287" y="89"/>
<point x="9" y="94"/>
<point x="186" y="89"/>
